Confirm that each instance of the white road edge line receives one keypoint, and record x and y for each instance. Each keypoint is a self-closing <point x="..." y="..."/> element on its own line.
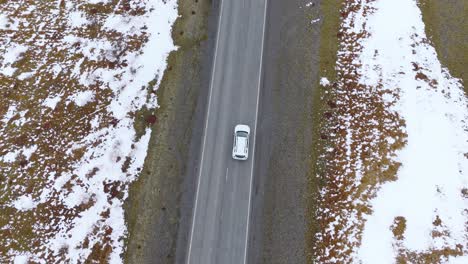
<point x="255" y="133"/>
<point x="204" y="137"/>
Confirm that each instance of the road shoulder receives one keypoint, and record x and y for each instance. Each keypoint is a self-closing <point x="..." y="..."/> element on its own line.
<point x="281" y="193"/>
<point x="159" y="205"/>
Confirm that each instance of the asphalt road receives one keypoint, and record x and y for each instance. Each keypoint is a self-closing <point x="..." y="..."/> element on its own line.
<point x="222" y="207"/>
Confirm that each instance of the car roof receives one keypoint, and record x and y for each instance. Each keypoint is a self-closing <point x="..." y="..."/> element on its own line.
<point x="241" y="145"/>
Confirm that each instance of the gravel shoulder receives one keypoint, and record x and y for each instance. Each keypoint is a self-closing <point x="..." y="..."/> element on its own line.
<point x="158" y="210"/>
<point x="281" y="192"/>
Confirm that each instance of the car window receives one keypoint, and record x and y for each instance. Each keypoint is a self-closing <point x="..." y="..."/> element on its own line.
<point x="242" y="134"/>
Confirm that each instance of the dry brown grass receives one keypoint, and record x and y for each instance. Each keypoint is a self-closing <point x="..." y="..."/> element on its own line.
<point x="360" y="156"/>
<point x="432" y="255"/>
<point x="54" y="132"/>
<point x="362" y="134"/>
<point x="398" y="228"/>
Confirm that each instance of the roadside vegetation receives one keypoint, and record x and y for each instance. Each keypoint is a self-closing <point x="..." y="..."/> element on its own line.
<point x="322" y="104"/>
<point x="73" y="75"/>
<point x="354" y="154"/>
<point x="370" y="107"/>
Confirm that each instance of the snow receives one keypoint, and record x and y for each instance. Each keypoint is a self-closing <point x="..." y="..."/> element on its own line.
<point x="82" y="98"/>
<point x="88" y="219"/>
<point x="11" y="112"/>
<point x="314" y="21"/>
<point x="7" y="24"/>
<point x="10" y="156"/>
<point x="25" y="75"/>
<point x="93" y="49"/>
<point x="98" y="1"/>
<point x="458" y="260"/>
<point x="433" y="170"/>
<point x="3" y="21"/>
<point x="398" y="158"/>
<point x="52" y="102"/>
<point x="77" y="19"/>
<point x="24" y="203"/>
<point x="324" y="81"/>
<point x="11" y="55"/>
<point x="119" y="141"/>
<point x="28" y="151"/>
<point x="21" y="259"/>
<point x="122" y="24"/>
<point x="152" y="58"/>
<point x="106" y="154"/>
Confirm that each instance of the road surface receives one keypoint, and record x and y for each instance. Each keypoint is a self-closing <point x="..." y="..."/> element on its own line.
<point x="221" y="216"/>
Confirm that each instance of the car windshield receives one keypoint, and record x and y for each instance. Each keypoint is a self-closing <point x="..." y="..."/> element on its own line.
<point x="242" y="134"/>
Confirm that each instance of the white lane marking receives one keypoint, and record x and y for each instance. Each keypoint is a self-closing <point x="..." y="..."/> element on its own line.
<point x="255" y="133"/>
<point x="227" y="171"/>
<point x="205" y="132"/>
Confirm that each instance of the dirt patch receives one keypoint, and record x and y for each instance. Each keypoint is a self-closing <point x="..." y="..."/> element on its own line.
<point x="155" y="205"/>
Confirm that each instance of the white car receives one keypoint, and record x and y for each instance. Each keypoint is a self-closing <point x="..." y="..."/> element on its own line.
<point x="240" y="150"/>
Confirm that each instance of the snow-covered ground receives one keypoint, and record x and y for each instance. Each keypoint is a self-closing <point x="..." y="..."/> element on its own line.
<point x="73" y="74"/>
<point x="418" y="214"/>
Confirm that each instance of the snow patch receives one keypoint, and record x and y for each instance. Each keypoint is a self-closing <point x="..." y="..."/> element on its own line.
<point x="433" y="170"/>
<point x="324" y="82"/>
<point x="24" y="203"/>
<point x="21" y="259"/>
<point x="77" y="19"/>
<point x="82" y="98"/>
<point x="52" y="102"/>
<point x="11" y="55"/>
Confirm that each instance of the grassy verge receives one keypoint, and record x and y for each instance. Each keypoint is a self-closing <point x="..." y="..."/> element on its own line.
<point x="327" y="60"/>
<point x="446" y="27"/>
